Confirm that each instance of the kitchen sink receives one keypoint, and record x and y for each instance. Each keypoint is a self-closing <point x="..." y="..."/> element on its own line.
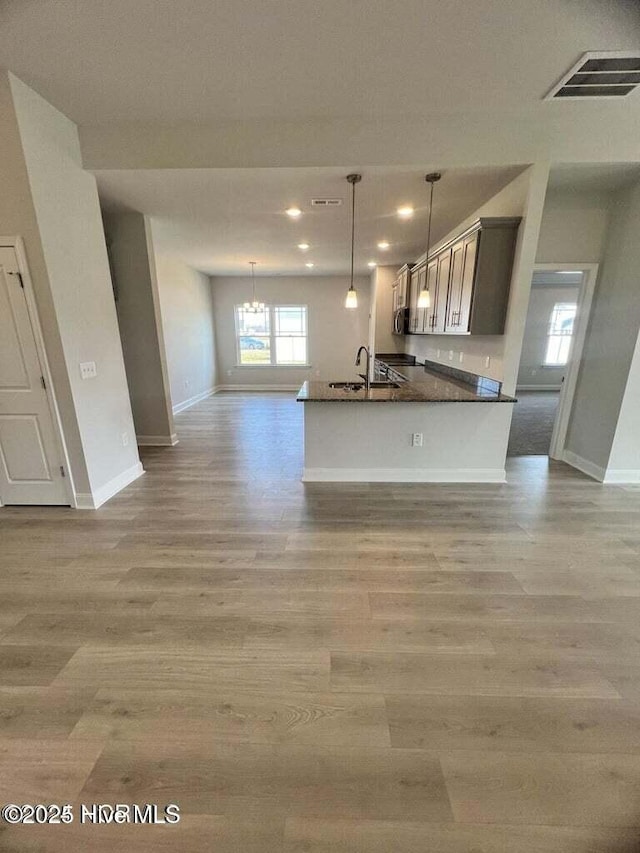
<point x="358" y="386"/>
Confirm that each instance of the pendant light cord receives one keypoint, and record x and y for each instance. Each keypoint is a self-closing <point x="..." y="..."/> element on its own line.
<point x="353" y="227"/>
<point x="431" y="178"/>
<point x="353" y="180"/>
<point x="429" y="224"/>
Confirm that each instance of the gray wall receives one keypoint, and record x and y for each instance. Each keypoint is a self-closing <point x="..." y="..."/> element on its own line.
<point x="335" y="332"/>
<point x="611" y="336"/>
<point x="137" y="304"/>
<point x="382" y="281"/>
<point x="534" y="346"/>
<point x="71" y="243"/>
<point x="186" y="305"/>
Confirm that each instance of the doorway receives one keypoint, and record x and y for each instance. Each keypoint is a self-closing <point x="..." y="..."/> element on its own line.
<point x="556" y="324"/>
<point x="32" y="467"/>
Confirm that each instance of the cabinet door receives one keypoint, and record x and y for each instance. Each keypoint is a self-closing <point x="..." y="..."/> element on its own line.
<point x="403" y="289"/>
<point x="394" y="298"/>
<point x="411" y="312"/>
<point x="442" y="292"/>
<point x="468" y="280"/>
<point x="455" y="287"/>
<point x="463" y="262"/>
<point x="417" y="283"/>
<point x="430" y="312"/>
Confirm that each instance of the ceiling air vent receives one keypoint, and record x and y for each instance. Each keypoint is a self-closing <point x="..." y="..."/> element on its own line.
<point x="326" y="202"/>
<point x="599" y="75"/>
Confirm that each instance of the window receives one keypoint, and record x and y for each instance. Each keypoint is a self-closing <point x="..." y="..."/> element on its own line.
<point x="559" y="334"/>
<point x="275" y="336"/>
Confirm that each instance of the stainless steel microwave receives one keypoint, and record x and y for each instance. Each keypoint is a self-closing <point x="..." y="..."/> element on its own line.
<point x="400" y="321"/>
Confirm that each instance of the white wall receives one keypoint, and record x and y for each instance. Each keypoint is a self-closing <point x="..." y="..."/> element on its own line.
<point x="65" y="200"/>
<point x="604" y="380"/>
<point x="18" y="217"/>
<point x="186" y="305"/>
<point x="335" y="332"/>
<point x="573" y="227"/>
<point x="534" y="345"/>
<point x="137" y="304"/>
<point x="624" y="460"/>
<point x="371" y="442"/>
<point x="522" y="197"/>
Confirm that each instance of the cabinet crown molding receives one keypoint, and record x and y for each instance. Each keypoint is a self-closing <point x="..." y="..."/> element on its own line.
<point x="483" y="223"/>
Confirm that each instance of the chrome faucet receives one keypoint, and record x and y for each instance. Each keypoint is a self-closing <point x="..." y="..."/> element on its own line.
<point x="365" y="376"/>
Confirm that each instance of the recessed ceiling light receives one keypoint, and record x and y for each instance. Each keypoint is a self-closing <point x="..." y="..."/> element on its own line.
<point x="568" y="272"/>
<point x="303" y="246"/>
<point x="405" y="212"/>
<point x="383" y="245"/>
<point x="372" y="264"/>
<point x="293" y="212"/>
<point x="309" y="265"/>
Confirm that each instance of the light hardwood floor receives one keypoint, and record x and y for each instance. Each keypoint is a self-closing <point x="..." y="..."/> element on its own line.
<point x="346" y="668"/>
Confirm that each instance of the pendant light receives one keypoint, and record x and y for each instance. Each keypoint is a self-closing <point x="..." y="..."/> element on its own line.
<point x="253" y="307"/>
<point x="352" y="296"/>
<point x="424" y="297"/>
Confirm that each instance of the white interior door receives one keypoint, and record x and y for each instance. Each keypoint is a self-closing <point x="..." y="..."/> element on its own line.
<point x="30" y="459"/>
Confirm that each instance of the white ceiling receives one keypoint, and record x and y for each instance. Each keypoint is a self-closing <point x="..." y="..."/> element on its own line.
<point x="217" y="220"/>
<point x="164" y="61"/>
<point x="157" y="83"/>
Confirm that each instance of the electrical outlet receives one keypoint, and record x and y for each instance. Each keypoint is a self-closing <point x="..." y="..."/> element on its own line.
<point x="125" y="439"/>
<point x="487" y="361"/>
<point x="88" y="369"/>
<point x="416" y="439"/>
<point x="450" y="355"/>
<point x="461" y="357"/>
<point x="437" y="353"/>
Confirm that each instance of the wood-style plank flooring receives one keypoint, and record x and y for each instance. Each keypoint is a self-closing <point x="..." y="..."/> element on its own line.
<point x="324" y="668"/>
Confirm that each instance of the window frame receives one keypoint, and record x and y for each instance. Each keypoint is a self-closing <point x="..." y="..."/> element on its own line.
<point x="551" y="335"/>
<point x="271" y="310"/>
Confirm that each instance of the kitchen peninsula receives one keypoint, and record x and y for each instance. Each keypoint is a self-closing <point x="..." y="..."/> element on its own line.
<point x="416" y="423"/>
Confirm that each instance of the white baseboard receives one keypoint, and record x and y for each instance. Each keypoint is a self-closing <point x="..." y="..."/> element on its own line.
<point x="404" y="475"/>
<point x="101" y="495"/>
<point x="622" y="475"/>
<point x="157" y="440"/>
<point x="585" y="465"/>
<point x="538" y="388"/>
<point x="185" y="404"/>
<point x="261" y="387"/>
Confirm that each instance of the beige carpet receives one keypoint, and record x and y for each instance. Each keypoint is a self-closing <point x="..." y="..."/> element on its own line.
<point x="533" y="417"/>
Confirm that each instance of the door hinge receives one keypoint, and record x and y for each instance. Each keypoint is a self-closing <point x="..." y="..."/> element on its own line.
<point x="44" y="384"/>
<point x="62" y="474"/>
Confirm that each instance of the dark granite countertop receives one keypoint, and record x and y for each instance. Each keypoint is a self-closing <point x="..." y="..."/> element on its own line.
<point x="423" y="385"/>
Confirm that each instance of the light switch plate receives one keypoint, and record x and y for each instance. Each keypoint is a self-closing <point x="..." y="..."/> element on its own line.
<point x="88" y="369"/>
